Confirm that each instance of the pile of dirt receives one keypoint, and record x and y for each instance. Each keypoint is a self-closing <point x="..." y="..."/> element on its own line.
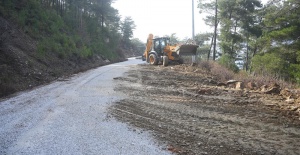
<point x="186" y="110"/>
<point x="22" y="67"/>
<point x="284" y="99"/>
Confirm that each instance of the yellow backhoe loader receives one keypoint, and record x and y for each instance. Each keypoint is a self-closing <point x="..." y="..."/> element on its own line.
<point x="159" y="51"/>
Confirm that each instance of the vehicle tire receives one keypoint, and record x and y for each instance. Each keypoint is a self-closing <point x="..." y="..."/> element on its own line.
<point x="180" y="61"/>
<point x="147" y="59"/>
<point x="153" y="60"/>
<point x="165" y="61"/>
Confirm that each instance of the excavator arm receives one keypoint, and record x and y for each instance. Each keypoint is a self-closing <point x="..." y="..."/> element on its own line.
<point x="148" y="46"/>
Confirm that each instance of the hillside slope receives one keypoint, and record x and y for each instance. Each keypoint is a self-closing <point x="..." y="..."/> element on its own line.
<point x="22" y="67"/>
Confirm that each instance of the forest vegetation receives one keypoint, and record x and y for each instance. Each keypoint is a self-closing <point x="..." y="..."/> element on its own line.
<point x="44" y="40"/>
<point x="260" y="39"/>
<point x="71" y="27"/>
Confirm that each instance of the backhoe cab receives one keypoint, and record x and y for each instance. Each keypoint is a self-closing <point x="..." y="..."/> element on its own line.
<point x="159" y="51"/>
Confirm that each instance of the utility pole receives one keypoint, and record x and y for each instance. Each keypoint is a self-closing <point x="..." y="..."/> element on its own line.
<point x="215" y="33"/>
<point x="193" y="21"/>
<point x="193" y="30"/>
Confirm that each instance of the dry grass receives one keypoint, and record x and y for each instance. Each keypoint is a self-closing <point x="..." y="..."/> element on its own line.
<point x="261" y="80"/>
<point x="223" y="74"/>
<point x="220" y="72"/>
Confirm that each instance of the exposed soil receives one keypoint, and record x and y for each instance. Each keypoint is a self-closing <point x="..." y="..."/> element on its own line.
<point x="184" y="109"/>
<point x="22" y="67"/>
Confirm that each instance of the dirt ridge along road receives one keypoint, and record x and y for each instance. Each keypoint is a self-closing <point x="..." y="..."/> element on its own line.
<point x="166" y="103"/>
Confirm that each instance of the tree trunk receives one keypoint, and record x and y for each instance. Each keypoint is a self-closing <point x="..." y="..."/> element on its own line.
<point x="247" y="54"/>
<point x="211" y="45"/>
<point x="233" y="41"/>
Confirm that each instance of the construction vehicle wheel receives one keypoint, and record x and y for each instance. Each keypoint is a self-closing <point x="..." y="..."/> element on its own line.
<point x="153" y="60"/>
<point x="143" y="58"/>
<point x="165" y="61"/>
<point x="180" y="61"/>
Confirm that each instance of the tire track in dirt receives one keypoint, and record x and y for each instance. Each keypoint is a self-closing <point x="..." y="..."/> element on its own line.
<point x="221" y="122"/>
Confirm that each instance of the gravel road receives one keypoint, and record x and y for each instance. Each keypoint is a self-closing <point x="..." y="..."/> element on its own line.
<point x="70" y="117"/>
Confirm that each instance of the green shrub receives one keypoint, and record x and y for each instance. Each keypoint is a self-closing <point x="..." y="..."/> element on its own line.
<point x="228" y="62"/>
<point x="42" y="48"/>
<point x="294" y="70"/>
<point x="267" y="64"/>
<point x="86" y="52"/>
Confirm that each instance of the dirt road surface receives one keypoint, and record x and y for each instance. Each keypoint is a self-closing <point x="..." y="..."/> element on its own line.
<point x="185" y="111"/>
<point x="70" y="117"/>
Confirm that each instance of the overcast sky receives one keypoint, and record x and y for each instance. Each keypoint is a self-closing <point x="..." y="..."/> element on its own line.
<point x="162" y="17"/>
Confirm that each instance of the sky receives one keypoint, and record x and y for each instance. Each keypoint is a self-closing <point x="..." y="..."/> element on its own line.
<point x="162" y="17"/>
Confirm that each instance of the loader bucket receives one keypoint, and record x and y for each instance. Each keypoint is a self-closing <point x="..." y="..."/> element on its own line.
<point x="187" y="50"/>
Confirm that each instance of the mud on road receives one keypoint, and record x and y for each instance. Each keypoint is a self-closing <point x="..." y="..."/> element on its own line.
<point x="185" y="111"/>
